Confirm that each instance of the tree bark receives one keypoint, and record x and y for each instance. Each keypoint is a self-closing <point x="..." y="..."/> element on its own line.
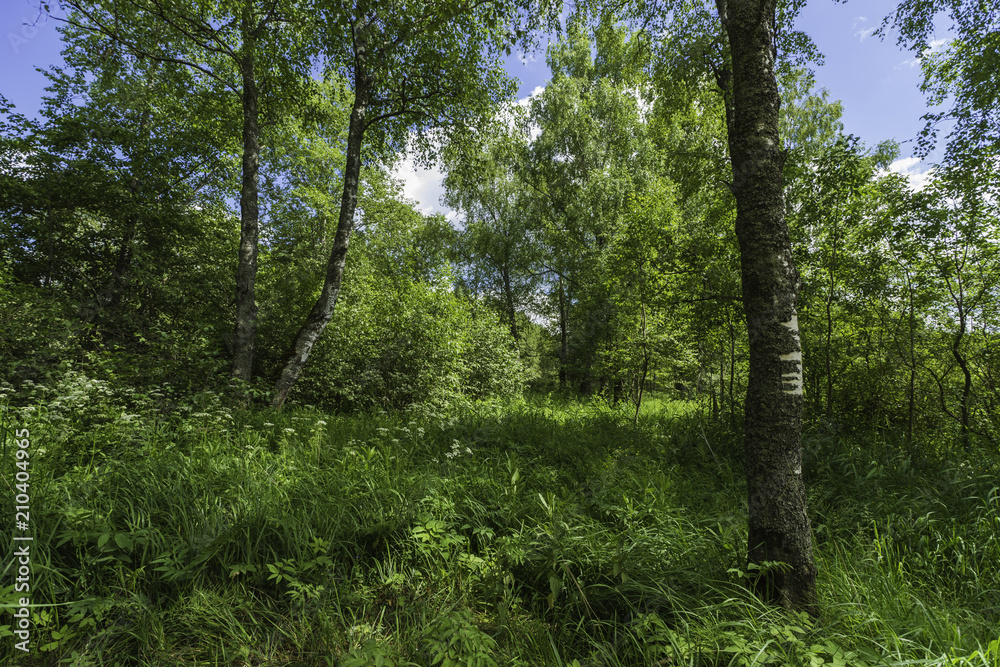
<point x="563" y="337"/>
<point x="956" y="351"/>
<point x="322" y="311"/>
<point x="509" y="298"/>
<point x="831" y="290"/>
<point x="779" y="530"/>
<point x="245" y="333"/>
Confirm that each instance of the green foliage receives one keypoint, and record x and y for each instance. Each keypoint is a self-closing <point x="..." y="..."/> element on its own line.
<point x="430" y="522"/>
<point x="392" y="345"/>
<point x="957" y="71"/>
<point x="531" y="533"/>
<point x="126" y="280"/>
<point x="456" y="641"/>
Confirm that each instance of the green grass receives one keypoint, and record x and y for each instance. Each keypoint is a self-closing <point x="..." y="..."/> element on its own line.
<point x="540" y="532"/>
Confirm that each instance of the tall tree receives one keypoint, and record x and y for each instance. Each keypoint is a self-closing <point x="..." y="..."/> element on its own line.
<point x="498" y="249"/>
<point x="592" y="157"/>
<point x="737" y="43"/>
<point x="779" y="530"/>
<point x="257" y="52"/>
<point x="412" y="66"/>
<point x="953" y="224"/>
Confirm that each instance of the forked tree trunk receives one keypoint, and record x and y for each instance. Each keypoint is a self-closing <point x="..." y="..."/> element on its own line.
<point x="322" y="311"/>
<point x="779" y="530"/>
<point x="245" y="332"/>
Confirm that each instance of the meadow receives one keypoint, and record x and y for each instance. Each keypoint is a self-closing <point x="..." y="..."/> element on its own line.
<point x="537" y="532"/>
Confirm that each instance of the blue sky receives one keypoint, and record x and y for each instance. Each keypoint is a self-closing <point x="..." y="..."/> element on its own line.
<point x="877" y="82"/>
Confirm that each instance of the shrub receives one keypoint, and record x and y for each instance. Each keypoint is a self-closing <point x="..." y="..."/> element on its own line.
<point x="396" y="344"/>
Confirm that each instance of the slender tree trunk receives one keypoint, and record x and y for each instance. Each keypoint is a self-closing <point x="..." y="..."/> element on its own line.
<point x="829" y="330"/>
<point x="732" y="370"/>
<point x="779" y="530"/>
<point x="722" y="381"/>
<point x="322" y="311"/>
<point x="963" y="363"/>
<point x="123" y="263"/>
<point x="911" y="385"/>
<point x="563" y="338"/>
<point x="511" y="311"/>
<point x="644" y="370"/>
<point x="245" y="333"/>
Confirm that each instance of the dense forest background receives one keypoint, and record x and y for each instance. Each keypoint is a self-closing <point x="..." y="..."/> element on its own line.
<point x="512" y="440"/>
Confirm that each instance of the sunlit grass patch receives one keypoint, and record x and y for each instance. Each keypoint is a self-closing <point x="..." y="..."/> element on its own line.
<point x="538" y="532"/>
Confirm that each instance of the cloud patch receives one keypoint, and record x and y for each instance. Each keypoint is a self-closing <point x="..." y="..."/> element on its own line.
<point x="935" y="46"/>
<point x="910" y="167"/>
<point x="862" y="33"/>
<point x="423" y="186"/>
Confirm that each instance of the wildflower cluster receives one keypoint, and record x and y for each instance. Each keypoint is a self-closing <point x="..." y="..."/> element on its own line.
<point x="457" y="450"/>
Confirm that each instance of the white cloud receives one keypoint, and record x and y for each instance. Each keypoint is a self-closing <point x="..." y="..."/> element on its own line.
<point x="864" y="34"/>
<point x="910" y="167"/>
<point x="525" y="103"/>
<point x="936" y="46"/>
<point x="424" y="186"/>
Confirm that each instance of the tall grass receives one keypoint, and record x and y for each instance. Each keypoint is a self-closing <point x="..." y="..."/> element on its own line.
<point x="540" y="532"/>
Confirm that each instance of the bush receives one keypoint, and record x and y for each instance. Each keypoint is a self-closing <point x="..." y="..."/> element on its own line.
<point x="396" y="344"/>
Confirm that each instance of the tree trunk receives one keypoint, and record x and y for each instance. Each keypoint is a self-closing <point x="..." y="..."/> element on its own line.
<point x="509" y="298"/>
<point x="322" y="311"/>
<point x="644" y="370"/>
<point x="123" y="263"/>
<point x="732" y="371"/>
<point x="563" y="337"/>
<point x="779" y="530"/>
<point x="911" y="384"/>
<point x="246" y="271"/>
<point x="722" y="380"/>
<point x="963" y="363"/>
<point x="831" y="288"/>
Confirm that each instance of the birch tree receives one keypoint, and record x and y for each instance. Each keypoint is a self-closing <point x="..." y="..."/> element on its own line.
<point x="779" y="530"/>
<point x="412" y="66"/>
<point x="257" y="52"/>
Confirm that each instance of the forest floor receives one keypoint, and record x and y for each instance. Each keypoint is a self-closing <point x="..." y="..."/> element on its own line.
<point x="545" y="532"/>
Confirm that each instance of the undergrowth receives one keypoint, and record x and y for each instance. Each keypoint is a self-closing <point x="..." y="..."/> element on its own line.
<point x="541" y="532"/>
